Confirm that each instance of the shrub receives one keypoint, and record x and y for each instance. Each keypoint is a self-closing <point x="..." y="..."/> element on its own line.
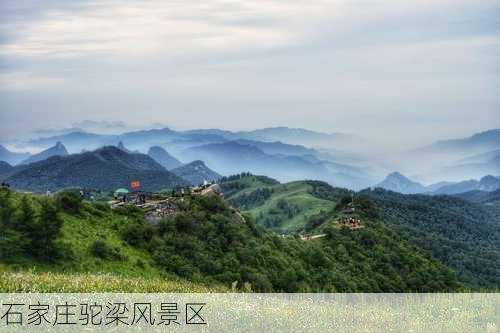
<point x="102" y="250"/>
<point x="69" y="201"/>
<point x="138" y="234"/>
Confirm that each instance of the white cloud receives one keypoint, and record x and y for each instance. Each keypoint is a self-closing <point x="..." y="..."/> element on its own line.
<point x="20" y="81"/>
<point x="339" y="62"/>
<point x="144" y="28"/>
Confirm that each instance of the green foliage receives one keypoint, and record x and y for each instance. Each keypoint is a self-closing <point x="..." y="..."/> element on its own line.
<point x="138" y="234"/>
<point x="46" y="231"/>
<point x="210" y="243"/>
<point x="129" y="211"/>
<point x="325" y="191"/>
<point x="463" y="235"/>
<point x="276" y="216"/>
<point x="7" y="209"/>
<point x="237" y="183"/>
<point x="252" y="199"/>
<point x="10" y="239"/>
<point x="317" y="220"/>
<point x="69" y="201"/>
<point x="204" y="244"/>
<point x="284" y="208"/>
<point x="102" y="250"/>
<point x="361" y="203"/>
<point x="26" y="230"/>
<point x="382" y="261"/>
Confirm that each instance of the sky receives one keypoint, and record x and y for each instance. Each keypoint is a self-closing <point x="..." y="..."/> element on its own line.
<point x="400" y="72"/>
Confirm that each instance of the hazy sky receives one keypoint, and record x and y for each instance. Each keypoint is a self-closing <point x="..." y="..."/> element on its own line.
<point x="408" y="71"/>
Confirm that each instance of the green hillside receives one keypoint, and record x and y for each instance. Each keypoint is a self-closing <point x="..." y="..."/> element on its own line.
<point x="64" y="244"/>
<point x="461" y="234"/>
<point x="280" y="207"/>
<point x="86" y="254"/>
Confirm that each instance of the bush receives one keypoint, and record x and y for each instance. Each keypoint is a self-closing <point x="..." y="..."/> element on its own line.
<point x="138" y="234"/>
<point x="130" y="211"/>
<point x="102" y="206"/>
<point x="102" y="250"/>
<point x="212" y="203"/>
<point x="70" y="202"/>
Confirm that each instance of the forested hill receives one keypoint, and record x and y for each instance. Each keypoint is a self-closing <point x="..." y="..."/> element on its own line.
<point x="208" y="242"/>
<point x="105" y="169"/>
<point x="461" y="234"/>
<point x="284" y="208"/>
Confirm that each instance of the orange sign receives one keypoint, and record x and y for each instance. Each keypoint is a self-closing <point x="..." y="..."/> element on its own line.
<point x="135" y="184"/>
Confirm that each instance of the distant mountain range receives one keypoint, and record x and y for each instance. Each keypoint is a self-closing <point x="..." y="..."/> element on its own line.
<point x="196" y="173"/>
<point x="10" y="157"/>
<point x="57" y="150"/>
<point x="298" y="136"/>
<point x="161" y="156"/>
<point x="488" y="157"/>
<point x="278" y="148"/>
<point x="480" y="142"/>
<point x="484" y="163"/>
<point x="397" y="182"/>
<point x="144" y="139"/>
<point x="265" y="151"/>
<point x="105" y="169"/>
<point x="286" y="154"/>
<point x="5" y="168"/>
<point x="234" y="157"/>
<point x="487" y="183"/>
<point x="482" y="197"/>
<point x="453" y="160"/>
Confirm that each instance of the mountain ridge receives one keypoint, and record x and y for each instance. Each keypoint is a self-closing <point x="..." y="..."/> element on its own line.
<point x="196" y="172"/>
<point x="397" y="182"/>
<point x="106" y="168"/>
<point x="10" y="157"/>
<point x="58" y="150"/>
<point x="161" y="156"/>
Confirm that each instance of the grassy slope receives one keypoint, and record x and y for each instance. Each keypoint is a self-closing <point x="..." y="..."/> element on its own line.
<point x="82" y="232"/>
<point x="80" y="271"/>
<point x="296" y="193"/>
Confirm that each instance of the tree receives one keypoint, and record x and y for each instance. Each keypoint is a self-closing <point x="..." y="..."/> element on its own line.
<point x="10" y="239"/>
<point x="48" y="228"/>
<point x="25" y="220"/>
<point x="6" y="208"/>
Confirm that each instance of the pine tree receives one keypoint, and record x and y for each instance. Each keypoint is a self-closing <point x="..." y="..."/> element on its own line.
<point x="48" y="229"/>
<point x="10" y="239"/>
<point x="6" y="209"/>
<point x="25" y="221"/>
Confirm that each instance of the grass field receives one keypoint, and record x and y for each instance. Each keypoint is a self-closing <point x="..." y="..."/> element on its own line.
<point x="47" y="282"/>
<point x="297" y="195"/>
